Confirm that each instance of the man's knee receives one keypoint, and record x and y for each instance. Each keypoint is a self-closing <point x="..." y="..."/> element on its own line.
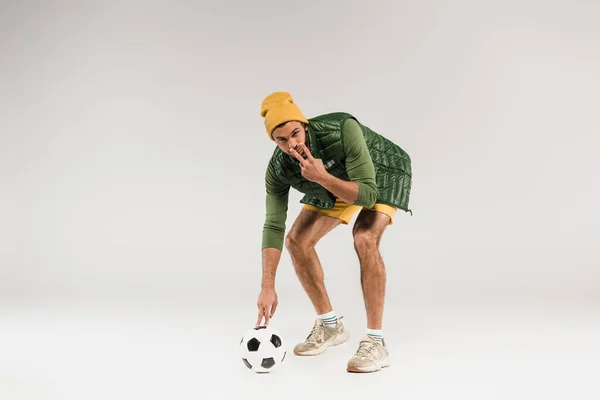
<point x="296" y="243"/>
<point x="365" y="241"/>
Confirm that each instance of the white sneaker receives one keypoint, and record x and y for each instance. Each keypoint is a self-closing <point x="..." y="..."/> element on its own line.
<point x="321" y="337"/>
<point x="371" y="356"/>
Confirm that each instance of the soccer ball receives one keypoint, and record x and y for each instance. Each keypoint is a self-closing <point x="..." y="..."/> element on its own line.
<point x="262" y="349"/>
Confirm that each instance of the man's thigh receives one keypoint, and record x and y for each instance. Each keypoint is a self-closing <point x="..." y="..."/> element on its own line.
<point x="310" y="226"/>
<point x="384" y="209"/>
<point x="371" y="222"/>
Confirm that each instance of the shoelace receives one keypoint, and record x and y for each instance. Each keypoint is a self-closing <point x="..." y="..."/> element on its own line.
<point x="365" y="349"/>
<point x="312" y="336"/>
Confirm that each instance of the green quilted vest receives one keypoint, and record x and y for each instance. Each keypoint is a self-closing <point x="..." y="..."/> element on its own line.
<point x="393" y="171"/>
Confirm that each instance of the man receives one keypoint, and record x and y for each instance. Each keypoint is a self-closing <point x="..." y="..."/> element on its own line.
<point x="341" y="167"/>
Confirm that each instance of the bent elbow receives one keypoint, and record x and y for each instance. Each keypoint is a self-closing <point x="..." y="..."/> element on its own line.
<point x="372" y="199"/>
<point x="367" y="195"/>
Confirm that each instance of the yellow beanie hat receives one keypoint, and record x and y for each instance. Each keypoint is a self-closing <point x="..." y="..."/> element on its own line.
<point x="277" y="108"/>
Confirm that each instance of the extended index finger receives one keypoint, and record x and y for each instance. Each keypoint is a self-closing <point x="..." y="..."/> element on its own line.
<point x="306" y="151"/>
<point x="298" y="156"/>
<point x="261" y="313"/>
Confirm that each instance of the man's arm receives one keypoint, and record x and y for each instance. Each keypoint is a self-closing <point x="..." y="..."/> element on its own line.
<point x="272" y="243"/>
<point x="274" y="227"/>
<point x="346" y="190"/>
<point x="361" y="190"/>
<point x="359" y="164"/>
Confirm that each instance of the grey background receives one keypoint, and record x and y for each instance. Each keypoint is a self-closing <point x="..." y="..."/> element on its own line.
<point x="132" y="152"/>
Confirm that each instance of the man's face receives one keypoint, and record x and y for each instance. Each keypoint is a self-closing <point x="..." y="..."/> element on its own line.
<point x="289" y="136"/>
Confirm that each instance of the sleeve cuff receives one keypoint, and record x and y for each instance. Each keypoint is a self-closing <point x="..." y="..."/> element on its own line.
<point x="274" y="241"/>
<point x="367" y="195"/>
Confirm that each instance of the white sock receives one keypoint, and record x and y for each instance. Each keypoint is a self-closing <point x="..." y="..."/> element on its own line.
<point x="329" y="319"/>
<point x="376" y="334"/>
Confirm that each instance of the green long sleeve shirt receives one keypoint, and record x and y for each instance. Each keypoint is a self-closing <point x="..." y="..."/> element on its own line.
<point x="359" y="167"/>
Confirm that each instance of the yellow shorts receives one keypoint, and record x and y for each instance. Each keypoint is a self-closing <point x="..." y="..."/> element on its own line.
<point x="345" y="211"/>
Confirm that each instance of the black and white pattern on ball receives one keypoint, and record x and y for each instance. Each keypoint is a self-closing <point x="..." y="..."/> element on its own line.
<point x="267" y="362"/>
<point x="276" y="340"/>
<point x="253" y="344"/>
<point x="262" y="349"/>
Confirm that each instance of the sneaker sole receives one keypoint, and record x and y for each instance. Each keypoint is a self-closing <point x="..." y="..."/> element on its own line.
<point x="377" y="367"/>
<point x="339" y="339"/>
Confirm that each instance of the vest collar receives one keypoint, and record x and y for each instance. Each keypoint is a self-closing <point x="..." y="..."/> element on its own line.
<point x="313" y="144"/>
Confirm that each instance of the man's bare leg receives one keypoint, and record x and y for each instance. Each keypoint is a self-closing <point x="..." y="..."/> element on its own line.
<point x="372" y="353"/>
<point x="367" y="232"/>
<point x="307" y="230"/>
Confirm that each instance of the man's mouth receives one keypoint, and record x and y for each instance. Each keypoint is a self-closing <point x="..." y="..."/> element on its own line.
<point x="299" y="150"/>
